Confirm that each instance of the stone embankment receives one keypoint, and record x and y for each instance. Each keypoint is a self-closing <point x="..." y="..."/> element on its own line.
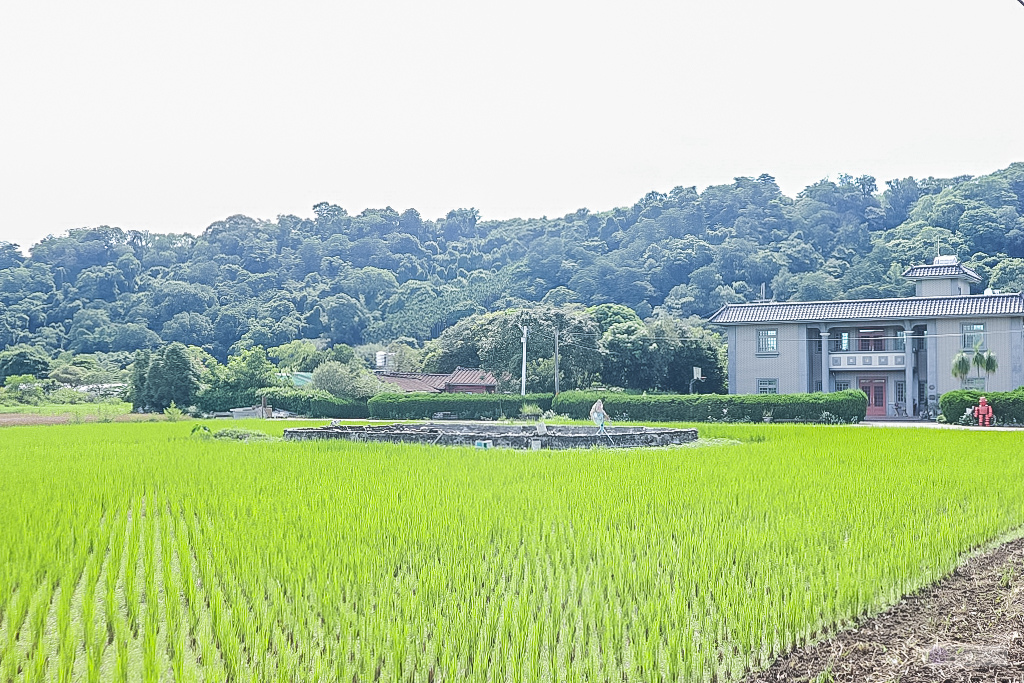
<point x="522" y="437"/>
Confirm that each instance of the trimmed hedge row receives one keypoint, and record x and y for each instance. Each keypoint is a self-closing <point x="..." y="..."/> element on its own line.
<point x="1007" y="406"/>
<point x="218" y="399"/>
<point x="314" y="403"/>
<point x="848" y="406"/>
<point x="464" y="406"/>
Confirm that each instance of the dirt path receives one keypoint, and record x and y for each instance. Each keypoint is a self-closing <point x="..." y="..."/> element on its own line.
<point x="968" y="627"/>
<point x="28" y="419"/>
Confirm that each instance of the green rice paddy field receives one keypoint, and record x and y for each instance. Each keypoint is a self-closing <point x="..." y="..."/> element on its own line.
<point x="140" y="552"/>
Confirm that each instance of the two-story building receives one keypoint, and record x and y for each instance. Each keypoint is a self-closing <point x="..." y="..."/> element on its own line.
<point x="898" y="351"/>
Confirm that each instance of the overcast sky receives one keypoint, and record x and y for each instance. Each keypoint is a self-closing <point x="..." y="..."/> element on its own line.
<point x="169" y="116"/>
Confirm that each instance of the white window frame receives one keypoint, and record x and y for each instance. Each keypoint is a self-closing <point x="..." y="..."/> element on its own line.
<point x="971" y="333"/>
<point x="767" y="340"/>
<point x="842" y="384"/>
<point x="767" y="386"/>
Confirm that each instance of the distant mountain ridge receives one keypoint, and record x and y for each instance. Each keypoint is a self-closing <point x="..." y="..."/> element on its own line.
<point x="383" y="275"/>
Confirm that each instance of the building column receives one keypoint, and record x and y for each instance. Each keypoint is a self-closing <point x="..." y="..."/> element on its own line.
<point x="909" y="391"/>
<point x="731" y="360"/>
<point x="805" y="367"/>
<point x="824" y="361"/>
<point x="1016" y="353"/>
<point x="932" y="374"/>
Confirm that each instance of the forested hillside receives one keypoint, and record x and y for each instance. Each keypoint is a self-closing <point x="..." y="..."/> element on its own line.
<point x="383" y="275"/>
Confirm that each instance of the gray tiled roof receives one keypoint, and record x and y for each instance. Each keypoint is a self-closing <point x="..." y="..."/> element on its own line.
<point x="872" y="309"/>
<point x="464" y="377"/>
<point x="930" y="271"/>
<point x="434" y="382"/>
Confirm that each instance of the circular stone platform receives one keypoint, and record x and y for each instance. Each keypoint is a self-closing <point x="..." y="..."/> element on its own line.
<point x="490" y="435"/>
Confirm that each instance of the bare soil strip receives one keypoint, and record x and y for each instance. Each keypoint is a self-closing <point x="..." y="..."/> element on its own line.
<point x="967" y="627"/>
<point x="32" y="419"/>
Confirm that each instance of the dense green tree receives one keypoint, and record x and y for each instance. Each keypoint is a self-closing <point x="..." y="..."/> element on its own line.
<point x="632" y="360"/>
<point x="170" y="379"/>
<point x="163" y="377"/>
<point x="347" y="379"/>
<point x="23" y="359"/>
<point x="10" y="255"/>
<point x="191" y="329"/>
<point x="607" y="315"/>
<point x="1008" y="275"/>
<point x="251" y="370"/>
<point x="384" y="274"/>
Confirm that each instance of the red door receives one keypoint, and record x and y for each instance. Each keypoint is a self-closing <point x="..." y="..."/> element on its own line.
<point x="875" y="389"/>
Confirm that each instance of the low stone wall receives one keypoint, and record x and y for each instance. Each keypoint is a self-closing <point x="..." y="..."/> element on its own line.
<point x="522" y="437"/>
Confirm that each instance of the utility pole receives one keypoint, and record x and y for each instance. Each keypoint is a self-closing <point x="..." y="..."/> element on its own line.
<point x="556" y="361"/>
<point x="523" y="389"/>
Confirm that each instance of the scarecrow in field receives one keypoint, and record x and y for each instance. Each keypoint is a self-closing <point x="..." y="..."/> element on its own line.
<point x="983" y="413"/>
<point x="598" y="415"/>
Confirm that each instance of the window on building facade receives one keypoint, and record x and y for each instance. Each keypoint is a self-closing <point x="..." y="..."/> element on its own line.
<point x="767" y="341"/>
<point x="974" y="335"/>
<point x="767" y="386"/>
<point x="975" y="383"/>
<point x="871" y="340"/>
<point x="817" y="385"/>
<point x="901" y="341"/>
<point x="842" y="384"/>
<point x="901" y="392"/>
<point x="840" y="341"/>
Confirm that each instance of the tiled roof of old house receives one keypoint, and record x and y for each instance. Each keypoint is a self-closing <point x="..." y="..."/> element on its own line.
<point x="472" y="376"/>
<point x="431" y="382"/>
<point x="409" y="381"/>
<point x="948" y="270"/>
<point x="871" y="309"/>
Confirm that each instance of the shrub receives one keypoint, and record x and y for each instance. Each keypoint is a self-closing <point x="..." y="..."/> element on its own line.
<point x="237" y="434"/>
<point x="219" y="398"/>
<point x="64" y="395"/>
<point x="1007" y="406"/>
<point x="173" y="413"/>
<point x="463" y="406"/>
<point x="848" y="406"/>
<point x="530" y="410"/>
<point x="313" y="403"/>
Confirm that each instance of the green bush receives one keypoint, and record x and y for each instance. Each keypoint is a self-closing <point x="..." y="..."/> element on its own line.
<point x="463" y="406"/>
<point x="64" y="395"/>
<point x="219" y="398"/>
<point x="313" y="403"/>
<point x="848" y="406"/>
<point x="1007" y="406"/>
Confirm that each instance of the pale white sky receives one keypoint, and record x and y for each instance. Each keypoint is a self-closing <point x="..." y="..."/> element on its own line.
<point x="170" y="116"/>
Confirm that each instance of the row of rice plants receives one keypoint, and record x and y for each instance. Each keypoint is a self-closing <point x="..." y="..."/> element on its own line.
<point x="280" y="561"/>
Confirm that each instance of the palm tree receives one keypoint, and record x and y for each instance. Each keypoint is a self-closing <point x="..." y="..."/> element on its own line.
<point x="991" y="363"/>
<point x="978" y="359"/>
<point x="961" y="366"/>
